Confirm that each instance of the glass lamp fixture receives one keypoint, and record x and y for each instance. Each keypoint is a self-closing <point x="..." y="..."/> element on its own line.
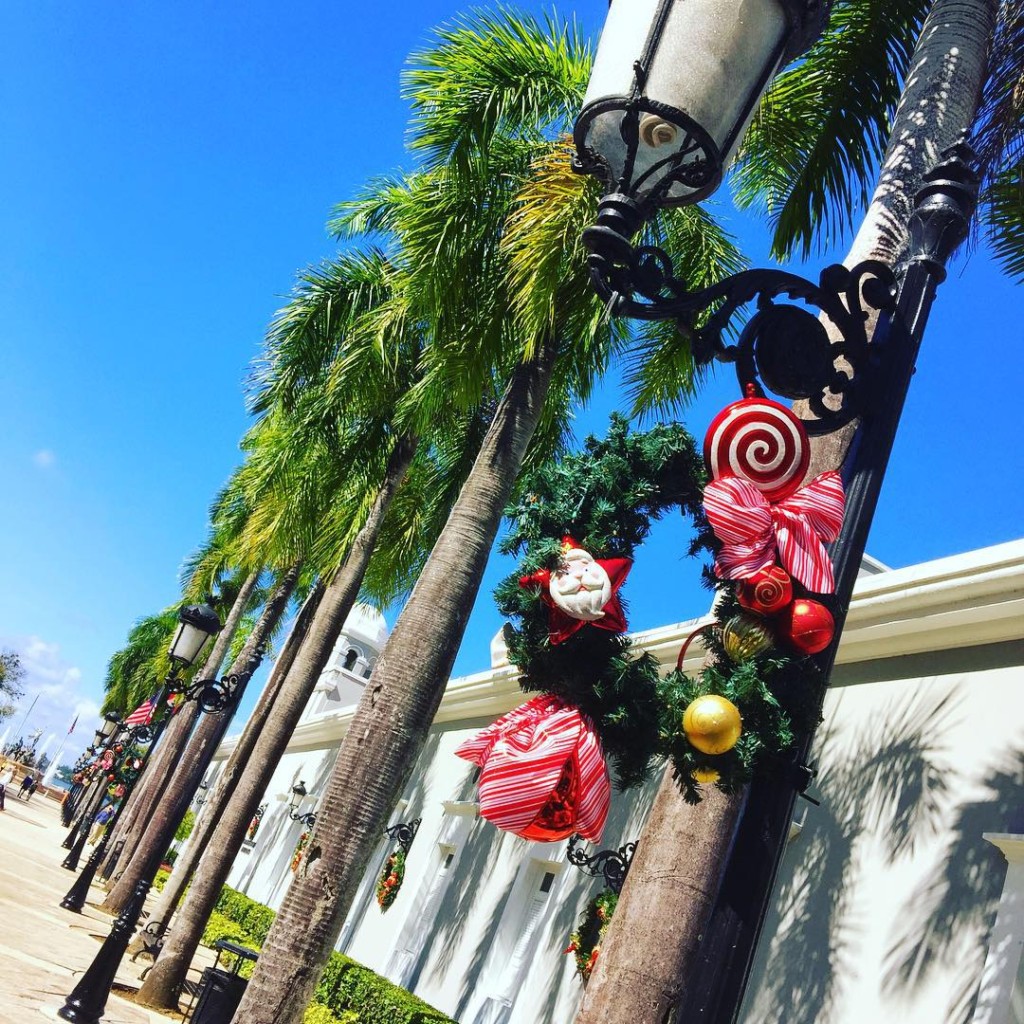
<point x="110" y="724"/>
<point x="674" y="86"/>
<point x="297" y="796"/>
<point x="197" y="623"/>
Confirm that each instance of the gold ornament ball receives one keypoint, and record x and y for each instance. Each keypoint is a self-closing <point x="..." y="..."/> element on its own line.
<point x="745" y="636"/>
<point x="712" y="724"/>
<point x="705" y="776"/>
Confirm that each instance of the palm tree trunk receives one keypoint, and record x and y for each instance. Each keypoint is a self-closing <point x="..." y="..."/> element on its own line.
<point x="183" y="782"/>
<point x="138" y="812"/>
<point x="216" y="804"/>
<point x="249" y="777"/>
<point x="652" y="954"/>
<point x="396" y="711"/>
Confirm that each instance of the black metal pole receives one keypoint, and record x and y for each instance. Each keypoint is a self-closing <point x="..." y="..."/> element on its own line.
<point x="939" y="223"/>
<point x="76" y="896"/>
<point x="70" y="805"/>
<point x="87" y="1001"/>
<point x="81" y="834"/>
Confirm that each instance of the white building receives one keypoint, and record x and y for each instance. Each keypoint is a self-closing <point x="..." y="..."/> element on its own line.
<point x="888" y="891"/>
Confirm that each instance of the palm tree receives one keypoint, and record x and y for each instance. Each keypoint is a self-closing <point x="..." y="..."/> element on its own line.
<point x="501" y="278"/>
<point x="184" y="776"/>
<point x="139" y="809"/>
<point x="312" y="354"/>
<point x="959" y="65"/>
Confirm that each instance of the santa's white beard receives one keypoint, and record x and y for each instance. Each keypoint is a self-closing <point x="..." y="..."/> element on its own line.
<point x="583" y="588"/>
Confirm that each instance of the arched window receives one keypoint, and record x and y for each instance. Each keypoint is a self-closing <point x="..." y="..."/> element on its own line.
<point x="351" y="657"/>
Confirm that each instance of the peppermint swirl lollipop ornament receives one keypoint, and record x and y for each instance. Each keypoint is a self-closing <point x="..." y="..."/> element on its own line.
<point x="762" y="442"/>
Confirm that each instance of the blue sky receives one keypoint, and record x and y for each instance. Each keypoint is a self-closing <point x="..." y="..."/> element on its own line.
<point x="165" y="170"/>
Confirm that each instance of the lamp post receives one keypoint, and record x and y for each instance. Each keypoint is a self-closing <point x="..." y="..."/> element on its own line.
<point x="298" y="794"/>
<point x="88" y="999"/>
<point x="103" y="748"/>
<point x="712" y="60"/>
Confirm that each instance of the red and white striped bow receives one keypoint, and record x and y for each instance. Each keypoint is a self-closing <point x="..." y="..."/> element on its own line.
<point x="752" y="529"/>
<point x="542" y="772"/>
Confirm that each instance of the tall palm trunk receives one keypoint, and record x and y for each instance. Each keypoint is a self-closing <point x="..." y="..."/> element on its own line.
<point x="652" y="953"/>
<point x="188" y="773"/>
<point x="140" y="808"/>
<point x="392" y="719"/>
<point x="248" y="778"/>
<point x="216" y="804"/>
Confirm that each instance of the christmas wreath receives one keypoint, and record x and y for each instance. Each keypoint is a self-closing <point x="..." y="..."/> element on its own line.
<point x="300" y="850"/>
<point x="585" y="942"/>
<point x="391" y="877"/>
<point x="575" y="526"/>
<point x="586" y="515"/>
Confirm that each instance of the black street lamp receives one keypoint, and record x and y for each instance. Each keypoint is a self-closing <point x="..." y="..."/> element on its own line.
<point x="299" y="794"/>
<point x="88" y="999"/>
<point x="672" y="89"/>
<point x="674" y="86"/>
<point x="713" y="59"/>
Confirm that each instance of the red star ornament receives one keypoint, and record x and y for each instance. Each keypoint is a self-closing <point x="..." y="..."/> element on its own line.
<point x="583" y="590"/>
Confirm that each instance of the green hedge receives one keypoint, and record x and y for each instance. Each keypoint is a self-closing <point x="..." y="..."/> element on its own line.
<point x="317" y="1013"/>
<point x="347" y="985"/>
<point x="348" y="993"/>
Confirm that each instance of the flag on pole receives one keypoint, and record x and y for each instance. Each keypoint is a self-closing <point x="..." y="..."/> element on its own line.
<point x="144" y="712"/>
<point x="71" y="728"/>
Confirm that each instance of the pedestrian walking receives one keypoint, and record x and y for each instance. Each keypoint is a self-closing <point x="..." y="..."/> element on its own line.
<point x="33" y="785"/>
<point x="5" y="780"/>
<point x="99" y="825"/>
<point x="26" y="786"/>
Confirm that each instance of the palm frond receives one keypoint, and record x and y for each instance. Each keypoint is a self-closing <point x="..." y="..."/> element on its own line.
<point x="810" y="156"/>
<point x="491" y="74"/>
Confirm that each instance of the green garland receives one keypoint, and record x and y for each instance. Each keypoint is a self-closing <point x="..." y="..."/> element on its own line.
<point x="392" y="876"/>
<point x="773" y="692"/>
<point x="585" y="942"/>
<point x="605" y="497"/>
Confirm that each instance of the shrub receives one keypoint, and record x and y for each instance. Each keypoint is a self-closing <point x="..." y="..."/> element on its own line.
<point x="347" y="986"/>
<point x="317" y="1013"/>
<point x="221" y="927"/>
<point x="258" y="920"/>
<point x="184" y="830"/>
<point x="161" y="879"/>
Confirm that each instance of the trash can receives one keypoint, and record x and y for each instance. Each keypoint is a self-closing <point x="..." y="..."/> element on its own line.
<point x="220" y="992"/>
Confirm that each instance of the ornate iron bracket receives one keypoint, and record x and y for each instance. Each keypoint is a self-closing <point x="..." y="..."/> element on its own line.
<point x="782" y="347"/>
<point x="213" y="695"/>
<point x="403" y="833"/>
<point x="612" y="864"/>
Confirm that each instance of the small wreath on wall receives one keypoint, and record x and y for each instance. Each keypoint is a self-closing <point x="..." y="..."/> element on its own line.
<point x="585" y="942"/>
<point x="391" y="877"/>
<point x="300" y="850"/>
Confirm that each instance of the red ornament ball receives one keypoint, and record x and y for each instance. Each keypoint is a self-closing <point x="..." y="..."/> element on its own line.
<point x="767" y="592"/>
<point x="807" y="625"/>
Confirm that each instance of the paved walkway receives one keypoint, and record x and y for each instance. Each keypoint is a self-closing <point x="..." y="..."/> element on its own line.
<point x="44" y="949"/>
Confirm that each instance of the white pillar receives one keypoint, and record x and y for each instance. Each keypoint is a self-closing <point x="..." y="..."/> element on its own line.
<point x="1007" y="942"/>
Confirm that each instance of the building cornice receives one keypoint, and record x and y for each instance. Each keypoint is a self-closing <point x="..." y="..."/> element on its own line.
<point x="961" y="601"/>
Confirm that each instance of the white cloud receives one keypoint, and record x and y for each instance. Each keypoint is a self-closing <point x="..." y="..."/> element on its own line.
<point x="44" y="458"/>
<point x="55" y="685"/>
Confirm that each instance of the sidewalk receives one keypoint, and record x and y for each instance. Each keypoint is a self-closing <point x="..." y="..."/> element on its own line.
<point x="43" y="948"/>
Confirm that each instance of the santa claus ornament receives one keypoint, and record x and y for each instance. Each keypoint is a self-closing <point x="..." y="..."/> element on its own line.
<point x="583" y="589"/>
